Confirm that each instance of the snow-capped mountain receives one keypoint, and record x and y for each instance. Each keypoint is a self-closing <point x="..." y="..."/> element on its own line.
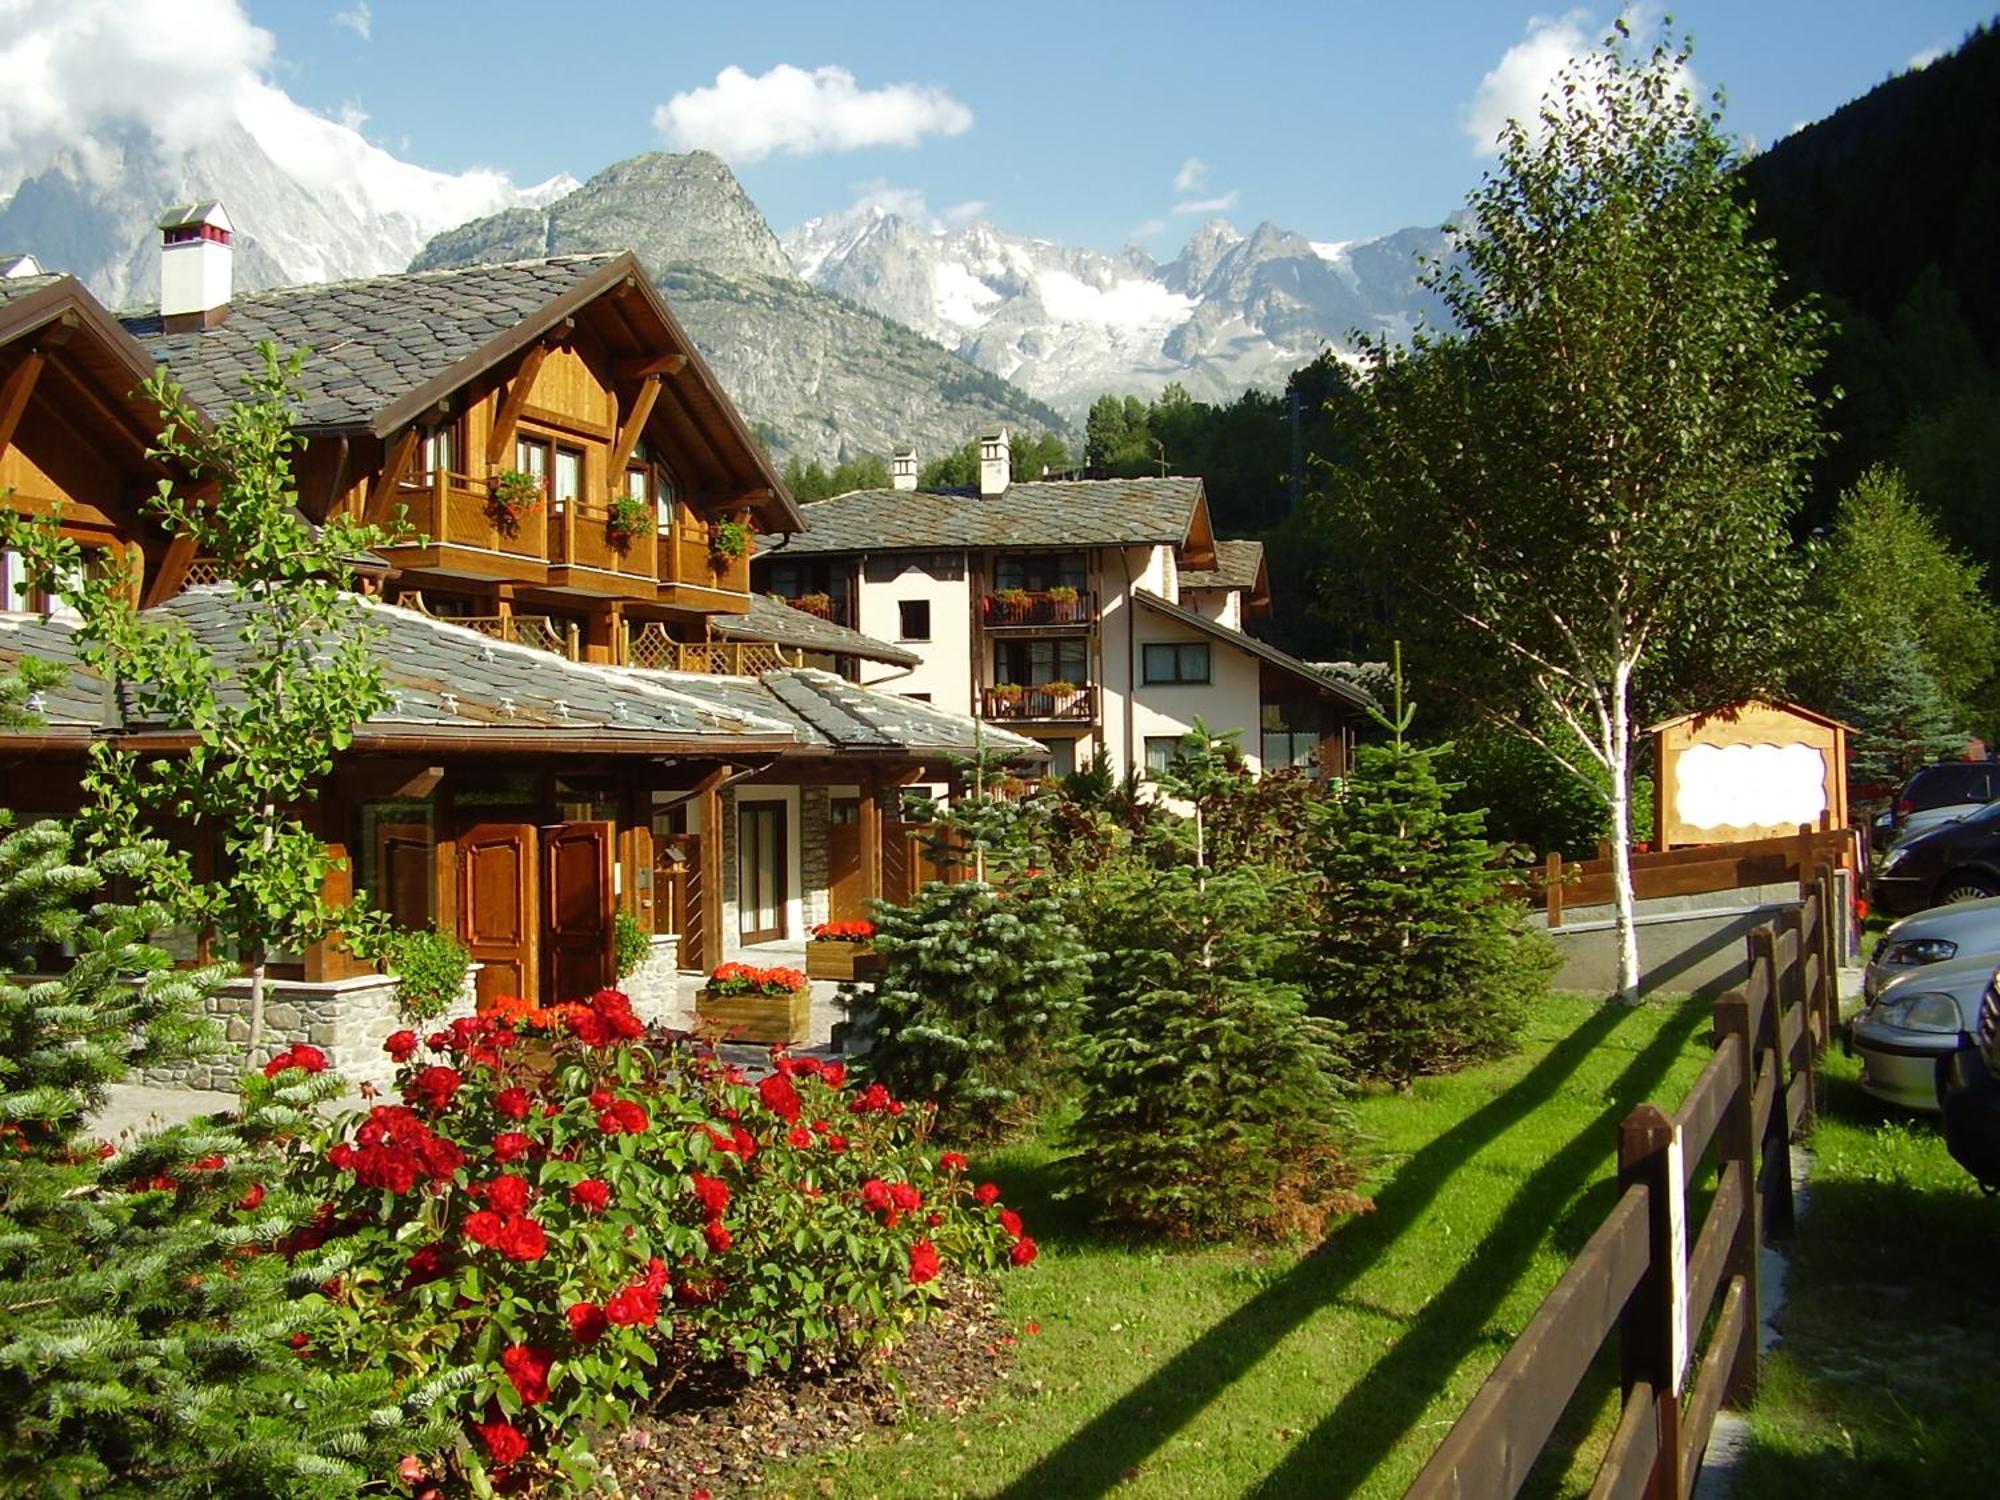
<point x="314" y="204"/>
<point x="1069" y="324"/>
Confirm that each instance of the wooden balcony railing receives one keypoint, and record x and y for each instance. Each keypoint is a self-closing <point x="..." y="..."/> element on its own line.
<point x="539" y="631"/>
<point x="580" y="536"/>
<point x="685" y="557"/>
<point x="457" y="510"/>
<point x="1006" y="607"/>
<point x="650" y="646"/>
<point x="834" y="609"/>
<point x="1039" y="705"/>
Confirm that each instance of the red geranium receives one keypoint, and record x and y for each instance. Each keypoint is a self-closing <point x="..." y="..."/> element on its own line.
<point x="906" y="1198"/>
<point x="528" y="1367"/>
<point x="834" y="1075"/>
<point x="504" y="1442"/>
<point x="923" y="1262"/>
<point x="586" y="1322"/>
<point x="592" y="1193"/>
<point x="875" y="1195"/>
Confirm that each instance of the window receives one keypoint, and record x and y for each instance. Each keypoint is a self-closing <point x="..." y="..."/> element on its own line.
<point x="1032" y="663"/>
<point x="531" y="456"/>
<point x="1291" y="736"/>
<point x="644" y="481"/>
<point x="1160" y="752"/>
<point x="916" y="697"/>
<point x="915" y="615"/>
<point x="398" y="862"/>
<point x="1062" y="757"/>
<point x="1038" y="572"/>
<point x="569" y="481"/>
<point x="1176" y="661"/>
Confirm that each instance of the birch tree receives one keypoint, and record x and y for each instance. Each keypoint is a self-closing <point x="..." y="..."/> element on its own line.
<point x="1581" y="494"/>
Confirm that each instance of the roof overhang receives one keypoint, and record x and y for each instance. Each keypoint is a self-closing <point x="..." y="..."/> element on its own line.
<point x="1286" y="664"/>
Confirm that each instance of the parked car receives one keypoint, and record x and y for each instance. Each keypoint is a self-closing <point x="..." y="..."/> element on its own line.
<point x="1937" y="794"/>
<point x="1972" y="1096"/>
<point x="1956" y="862"/>
<point x="1917" y="1023"/>
<point x="1963" y="930"/>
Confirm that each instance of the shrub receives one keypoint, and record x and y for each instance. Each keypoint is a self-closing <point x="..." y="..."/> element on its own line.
<point x="430" y="969"/>
<point x="632" y="942"/>
<point x="567" y="1229"/>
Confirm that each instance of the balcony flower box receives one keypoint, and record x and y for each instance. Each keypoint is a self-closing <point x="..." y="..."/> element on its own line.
<point x="748" y="1004"/>
<point x="511" y="495"/>
<point x="628" y="517"/>
<point x="843" y="951"/>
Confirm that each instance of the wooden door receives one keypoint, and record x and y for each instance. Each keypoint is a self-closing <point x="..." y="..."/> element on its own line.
<point x="577" y="895"/>
<point x="496" y="905"/>
<point x="846" y="889"/>
<point x="677" y="890"/>
<point x="760" y="871"/>
<point x="404" y="867"/>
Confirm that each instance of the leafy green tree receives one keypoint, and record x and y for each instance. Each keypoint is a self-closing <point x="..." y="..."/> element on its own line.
<point x="1420" y="953"/>
<point x="1581" y="501"/>
<point x="268" y="721"/>
<point x="1902" y="719"/>
<point x="1884" y="571"/>
<point x="152" y="1345"/>
<point x="1031" y="454"/>
<point x="812" y="481"/>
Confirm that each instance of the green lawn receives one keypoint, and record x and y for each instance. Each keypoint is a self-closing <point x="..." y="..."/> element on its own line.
<point x="1192" y="1373"/>
<point x="1887" y="1383"/>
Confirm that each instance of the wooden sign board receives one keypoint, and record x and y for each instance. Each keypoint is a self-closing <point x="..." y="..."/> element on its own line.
<point x="1753" y="770"/>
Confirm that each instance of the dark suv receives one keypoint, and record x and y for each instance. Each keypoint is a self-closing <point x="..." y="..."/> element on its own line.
<point x="1955" y="783"/>
<point x="1952" y="862"/>
<point x="1972" y="1097"/>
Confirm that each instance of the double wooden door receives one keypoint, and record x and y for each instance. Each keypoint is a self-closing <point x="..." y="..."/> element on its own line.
<point x="537" y="909"/>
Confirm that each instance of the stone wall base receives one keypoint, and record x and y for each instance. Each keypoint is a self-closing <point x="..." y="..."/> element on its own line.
<point x="654" y="988"/>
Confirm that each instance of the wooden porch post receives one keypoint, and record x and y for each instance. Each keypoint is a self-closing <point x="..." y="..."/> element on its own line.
<point x="711" y="865"/>
<point x="871" y="840"/>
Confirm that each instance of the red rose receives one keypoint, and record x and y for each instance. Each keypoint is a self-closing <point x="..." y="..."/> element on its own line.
<point x="923" y="1262"/>
<point x="799" y="1138"/>
<point x="401" y="1045"/>
<point x="951" y="1161"/>
<point x="906" y="1198"/>
<point x="591" y="1193"/>
<point x="875" y="1195"/>
<point x="523" y="1239"/>
<point x="586" y="1322"/>
<point x="624" y="1117"/>
<point x="601" y="1098"/>
<point x="632" y="1306"/>
<point x="780" y="1097"/>
<point x="1023" y="1252"/>
<point x="834" y="1075"/>
<point x="252" y="1198"/>
<point x="986" y="1193"/>
<point x="718" y="1236"/>
<point x="389" y="1167"/>
<point x="528" y="1367"/>
<point x="428" y="1264"/>
<point x="507" y="1195"/>
<point x="836" y="1143"/>
<point x="433" y="1087"/>
<point x="484" y="1227"/>
<point x="510" y="1145"/>
<point x="935" y="1220"/>
<point x="655" y="1279"/>
<point x="1011" y="1222"/>
<point x="512" y="1103"/>
<point x="208" y="1164"/>
<point x="713" y="1195"/>
<point x="504" y="1442"/>
<point x="309" y="1058"/>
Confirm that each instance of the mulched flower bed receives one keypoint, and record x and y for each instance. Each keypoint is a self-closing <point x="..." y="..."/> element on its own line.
<point x="716" y="1433"/>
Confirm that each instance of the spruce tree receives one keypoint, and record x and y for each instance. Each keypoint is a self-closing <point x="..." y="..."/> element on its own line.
<point x="1902" y="720"/>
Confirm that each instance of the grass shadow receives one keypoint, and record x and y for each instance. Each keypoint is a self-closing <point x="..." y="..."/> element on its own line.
<point x="1103" y="1452"/>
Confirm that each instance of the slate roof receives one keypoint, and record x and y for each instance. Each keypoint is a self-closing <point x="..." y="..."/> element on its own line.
<point x="1284" y="661"/>
<point x="776" y="621"/>
<point x="1237" y="565"/>
<point x="78" y="704"/>
<point x="373" y="341"/>
<point x="1038" y="513"/>
<point x="14" y="288"/>
<point x="830" y="711"/>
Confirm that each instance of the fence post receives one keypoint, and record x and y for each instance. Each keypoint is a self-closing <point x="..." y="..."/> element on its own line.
<point x="1792" y="920"/>
<point x="1552" y="888"/>
<point x="1652" y="1330"/>
<point x="1805" y="853"/>
<point x="1835" y="918"/>
<point x="1736" y="1150"/>
<point x="1775" y="1153"/>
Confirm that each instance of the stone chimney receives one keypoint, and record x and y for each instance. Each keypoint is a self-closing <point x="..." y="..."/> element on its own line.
<point x="996" y="462"/>
<point x="903" y="468"/>
<point x="196" y="268"/>
<point x="12" y="266"/>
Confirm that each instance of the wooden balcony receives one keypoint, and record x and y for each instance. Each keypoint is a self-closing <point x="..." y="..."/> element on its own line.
<point x="1011" y="608"/>
<point x="1037" y="705"/>
<point x="538" y="631"/>
<point x="693" y="576"/>
<point x="835" y="610"/>
<point x="585" y="552"/>
<point x="651" y="646"/>
<point x="463" y="531"/>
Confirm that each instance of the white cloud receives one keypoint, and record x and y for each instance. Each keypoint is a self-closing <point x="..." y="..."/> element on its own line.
<point x="1925" y="58"/>
<point x="1193" y="172"/>
<point x="1222" y="203"/>
<point x="1513" y="89"/>
<point x="357" y="19"/>
<point x="964" y="213"/>
<point x="745" y="119"/>
<point x="1150" y="228"/>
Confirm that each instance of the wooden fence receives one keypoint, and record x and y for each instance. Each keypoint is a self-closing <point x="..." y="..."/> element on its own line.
<point x="1560" y="884"/>
<point x="1646" y="1274"/>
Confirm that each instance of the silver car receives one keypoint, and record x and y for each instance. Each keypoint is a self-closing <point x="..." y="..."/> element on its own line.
<point x="1917" y="1021"/>
<point x="1964" y="929"/>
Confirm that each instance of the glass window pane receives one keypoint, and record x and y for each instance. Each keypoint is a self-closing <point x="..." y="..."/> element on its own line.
<point x="569" y="477"/>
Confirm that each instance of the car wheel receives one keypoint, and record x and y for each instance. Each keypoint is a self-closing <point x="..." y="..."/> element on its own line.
<point x="1956" y="888"/>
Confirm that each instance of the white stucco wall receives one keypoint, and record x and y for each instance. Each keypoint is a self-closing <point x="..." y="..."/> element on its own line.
<point x="1224" y="606"/>
<point x="1229" y="700"/>
<point x="946" y="671"/>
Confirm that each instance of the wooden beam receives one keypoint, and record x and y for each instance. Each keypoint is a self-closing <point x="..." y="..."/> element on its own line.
<point x="651" y="364"/>
<point x="501" y="439"/>
<point x="688" y="430"/>
<point x="338" y="480"/>
<point x="871" y="841"/>
<point x="711" y="866"/>
<point x="628" y="433"/>
<point x="14" y="394"/>
<point x="173" y="572"/>
<point x="394" y="466"/>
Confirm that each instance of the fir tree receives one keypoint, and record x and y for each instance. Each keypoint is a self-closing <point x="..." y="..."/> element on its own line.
<point x="1420" y="954"/>
<point x="1901" y="718"/>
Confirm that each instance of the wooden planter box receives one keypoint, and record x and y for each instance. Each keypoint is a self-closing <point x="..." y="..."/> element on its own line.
<point x="756" y="1018"/>
<point x="833" y="959"/>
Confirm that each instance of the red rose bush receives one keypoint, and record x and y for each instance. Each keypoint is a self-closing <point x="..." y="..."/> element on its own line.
<point x="556" y="1218"/>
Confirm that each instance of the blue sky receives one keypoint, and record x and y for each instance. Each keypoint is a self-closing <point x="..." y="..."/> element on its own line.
<point x="1087" y="123"/>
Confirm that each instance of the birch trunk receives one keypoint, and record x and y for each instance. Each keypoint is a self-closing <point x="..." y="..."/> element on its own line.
<point x="1621" y="838"/>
